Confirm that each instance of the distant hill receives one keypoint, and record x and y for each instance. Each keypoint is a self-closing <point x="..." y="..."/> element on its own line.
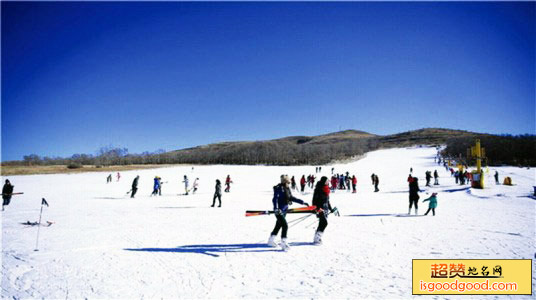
<point x="312" y="150"/>
<point x="321" y="149"/>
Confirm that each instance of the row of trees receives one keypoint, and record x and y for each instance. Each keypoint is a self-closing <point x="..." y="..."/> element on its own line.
<point x="500" y="149"/>
<point x="505" y="149"/>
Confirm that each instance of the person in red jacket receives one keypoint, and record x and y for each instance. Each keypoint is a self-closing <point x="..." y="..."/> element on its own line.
<point x="333" y="183"/>
<point x="302" y="183"/>
<point x="228" y="182"/>
<point x="354" y="183"/>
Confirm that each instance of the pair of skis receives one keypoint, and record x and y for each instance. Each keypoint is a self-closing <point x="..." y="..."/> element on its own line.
<point x="306" y="209"/>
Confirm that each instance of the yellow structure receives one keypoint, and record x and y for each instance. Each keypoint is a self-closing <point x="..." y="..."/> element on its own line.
<point x="478" y="175"/>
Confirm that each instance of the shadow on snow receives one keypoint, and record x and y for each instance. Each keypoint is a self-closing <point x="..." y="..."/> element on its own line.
<point x="385" y="215"/>
<point x="212" y="250"/>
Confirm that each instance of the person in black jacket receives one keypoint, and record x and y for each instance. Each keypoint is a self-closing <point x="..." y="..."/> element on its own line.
<point x="414" y="194"/>
<point x="134" y="186"/>
<point x="281" y="201"/>
<point x="436" y="178"/>
<point x="7" y="190"/>
<point x="217" y="193"/>
<point x="321" y="201"/>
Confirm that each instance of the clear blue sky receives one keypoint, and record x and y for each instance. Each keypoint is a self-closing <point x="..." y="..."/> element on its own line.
<point x="79" y="76"/>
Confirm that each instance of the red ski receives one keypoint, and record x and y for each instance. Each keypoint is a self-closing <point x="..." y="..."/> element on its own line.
<point x="305" y="209"/>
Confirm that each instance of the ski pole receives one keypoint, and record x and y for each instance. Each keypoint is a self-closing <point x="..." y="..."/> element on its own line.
<point x="302" y="219"/>
<point x="292" y="221"/>
<point x="43" y="201"/>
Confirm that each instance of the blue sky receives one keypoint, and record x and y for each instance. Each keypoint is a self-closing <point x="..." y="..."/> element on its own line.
<point x="79" y="76"/>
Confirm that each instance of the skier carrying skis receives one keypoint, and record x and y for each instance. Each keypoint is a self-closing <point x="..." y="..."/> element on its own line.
<point x="228" y="182"/>
<point x="281" y="201"/>
<point x="414" y="195"/>
<point x="7" y="190"/>
<point x="185" y="184"/>
<point x="321" y="201"/>
<point x="217" y="193"/>
<point x="134" y="186"/>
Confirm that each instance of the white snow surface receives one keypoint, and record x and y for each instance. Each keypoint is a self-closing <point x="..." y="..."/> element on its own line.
<point x="104" y="244"/>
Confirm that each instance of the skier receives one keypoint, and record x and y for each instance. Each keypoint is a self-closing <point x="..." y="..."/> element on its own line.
<point x="496" y="177"/>
<point x="372" y="178"/>
<point x="228" y="182"/>
<point x="281" y="201"/>
<point x="354" y="183"/>
<point x="293" y="183"/>
<point x="195" y="185"/>
<point x="332" y="170"/>
<point x="160" y="183"/>
<point x="185" y="185"/>
<point x="217" y="193"/>
<point x="433" y="203"/>
<point x="321" y="201"/>
<point x="333" y="183"/>
<point x="134" y="186"/>
<point x="109" y="178"/>
<point x="436" y="178"/>
<point x="7" y="190"/>
<point x="376" y="183"/>
<point x="156" y="186"/>
<point x="118" y="176"/>
<point x="414" y="195"/>
<point x="428" y="177"/>
<point x="302" y="183"/>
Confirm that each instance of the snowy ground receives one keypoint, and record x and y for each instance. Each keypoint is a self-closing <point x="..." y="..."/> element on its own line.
<point x="106" y="245"/>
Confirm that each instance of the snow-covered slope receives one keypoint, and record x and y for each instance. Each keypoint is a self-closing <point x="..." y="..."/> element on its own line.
<point x="104" y="244"/>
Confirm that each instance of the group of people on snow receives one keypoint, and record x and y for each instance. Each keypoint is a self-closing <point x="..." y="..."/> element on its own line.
<point x="157" y="187"/>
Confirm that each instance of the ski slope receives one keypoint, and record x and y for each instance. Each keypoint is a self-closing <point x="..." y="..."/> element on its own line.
<point x="104" y="244"/>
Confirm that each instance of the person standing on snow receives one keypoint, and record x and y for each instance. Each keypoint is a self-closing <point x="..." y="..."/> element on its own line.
<point x="372" y="178"/>
<point x="7" y="192"/>
<point x="321" y="201"/>
<point x="217" y="193"/>
<point x="414" y="195"/>
<point x="118" y="176"/>
<point x="134" y="186"/>
<point x="496" y="177"/>
<point x="228" y="182"/>
<point x="354" y="183"/>
<point x="428" y="177"/>
<point x="195" y="185"/>
<point x="185" y="181"/>
<point x="156" y="186"/>
<point x="376" y="183"/>
<point x="281" y="201"/>
<point x="293" y="183"/>
<point x="109" y="178"/>
<point x="433" y="203"/>
<point x="436" y="178"/>
<point x="302" y="183"/>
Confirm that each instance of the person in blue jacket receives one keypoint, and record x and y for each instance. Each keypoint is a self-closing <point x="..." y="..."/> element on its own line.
<point x="433" y="203"/>
<point x="282" y="199"/>
<point x="156" y="186"/>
